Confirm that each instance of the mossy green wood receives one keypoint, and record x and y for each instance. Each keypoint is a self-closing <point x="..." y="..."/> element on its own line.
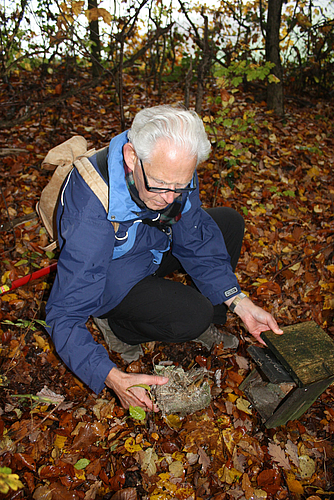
<point x="305" y="351"/>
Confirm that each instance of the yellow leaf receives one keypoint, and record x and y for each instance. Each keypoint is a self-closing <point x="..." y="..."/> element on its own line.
<point x="131" y="446"/>
<point x="177" y="455"/>
<point x="176" y="468"/>
<point x="295" y="267"/>
<point x="27" y="210"/>
<point x="164" y="476"/>
<point x="313" y="172"/>
<point x="9" y="296"/>
<point x="5" y="277"/>
<point x="173" y="421"/>
<point x="329" y="302"/>
<point x="80" y="474"/>
<point x="229" y="476"/>
<point x="294" y="485"/>
<point x="63" y="7"/>
<point x="260" y="493"/>
<point x="330" y="268"/>
<point x="98" y="12"/>
<point x="232" y="398"/>
<point x="243" y="405"/>
<point x="307" y="466"/>
<point x="77" y="7"/>
<point x="327" y="286"/>
<point x="42" y="343"/>
<point x="60" y="441"/>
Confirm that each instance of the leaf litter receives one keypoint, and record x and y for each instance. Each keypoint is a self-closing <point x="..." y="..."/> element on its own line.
<point x="62" y="441"/>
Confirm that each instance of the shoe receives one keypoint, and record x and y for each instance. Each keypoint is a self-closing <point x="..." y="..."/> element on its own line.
<point x="212" y="336"/>
<point x="128" y="352"/>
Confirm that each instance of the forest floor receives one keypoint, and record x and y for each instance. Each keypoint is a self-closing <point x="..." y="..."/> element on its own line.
<point x="63" y="441"/>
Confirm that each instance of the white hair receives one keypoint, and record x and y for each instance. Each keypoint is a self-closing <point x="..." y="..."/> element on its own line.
<point x="176" y="125"/>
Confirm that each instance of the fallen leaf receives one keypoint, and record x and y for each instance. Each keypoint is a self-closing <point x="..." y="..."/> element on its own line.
<point x="278" y="455"/>
<point x="307" y="466"/>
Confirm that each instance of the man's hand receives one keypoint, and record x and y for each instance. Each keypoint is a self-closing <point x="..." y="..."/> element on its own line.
<point x="121" y="382"/>
<point x="256" y="320"/>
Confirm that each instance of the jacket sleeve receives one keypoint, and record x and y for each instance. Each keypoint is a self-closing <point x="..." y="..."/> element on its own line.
<point x="86" y="240"/>
<point x="199" y="245"/>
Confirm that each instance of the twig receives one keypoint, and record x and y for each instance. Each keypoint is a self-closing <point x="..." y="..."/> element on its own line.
<point x="34" y="428"/>
<point x="301" y="259"/>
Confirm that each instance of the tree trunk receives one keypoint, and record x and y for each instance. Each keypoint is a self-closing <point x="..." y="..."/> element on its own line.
<point x="275" y="97"/>
<point x="94" y="37"/>
<point x="187" y="85"/>
<point x="203" y="65"/>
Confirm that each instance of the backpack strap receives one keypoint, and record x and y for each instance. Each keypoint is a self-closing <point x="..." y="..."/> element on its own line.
<point x="102" y="163"/>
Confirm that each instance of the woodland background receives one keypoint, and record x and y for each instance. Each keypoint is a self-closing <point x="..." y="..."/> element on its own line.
<point x="261" y="76"/>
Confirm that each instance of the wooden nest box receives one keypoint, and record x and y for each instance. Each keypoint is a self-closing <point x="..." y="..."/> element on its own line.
<point x="291" y="372"/>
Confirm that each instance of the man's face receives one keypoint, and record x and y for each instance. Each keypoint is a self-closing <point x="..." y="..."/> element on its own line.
<point x="169" y="167"/>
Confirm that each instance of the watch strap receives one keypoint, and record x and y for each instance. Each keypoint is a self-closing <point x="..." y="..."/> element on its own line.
<point x="238" y="298"/>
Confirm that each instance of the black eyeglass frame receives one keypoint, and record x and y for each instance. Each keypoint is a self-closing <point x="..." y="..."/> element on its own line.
<point x="167" y="190"/>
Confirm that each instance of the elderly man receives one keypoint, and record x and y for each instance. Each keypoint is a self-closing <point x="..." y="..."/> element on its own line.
<point x="115" y="273"/>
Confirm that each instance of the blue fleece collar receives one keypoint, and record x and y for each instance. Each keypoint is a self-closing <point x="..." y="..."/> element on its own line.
<point x="121" y="205"/>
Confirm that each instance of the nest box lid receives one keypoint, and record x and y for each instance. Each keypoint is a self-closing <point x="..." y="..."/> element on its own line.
<point x="305" y="351"/>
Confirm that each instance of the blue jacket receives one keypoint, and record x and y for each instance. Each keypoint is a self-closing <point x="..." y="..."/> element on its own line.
<point x="96" y="268"/>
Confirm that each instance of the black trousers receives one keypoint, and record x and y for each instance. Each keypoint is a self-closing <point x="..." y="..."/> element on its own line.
<point x="168" y="311"/>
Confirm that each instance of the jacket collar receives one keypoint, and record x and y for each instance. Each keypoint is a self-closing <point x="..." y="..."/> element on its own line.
<point x="121" y="205"/>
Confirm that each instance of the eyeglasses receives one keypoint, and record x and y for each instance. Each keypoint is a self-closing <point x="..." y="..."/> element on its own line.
<point x="167" y="190"/>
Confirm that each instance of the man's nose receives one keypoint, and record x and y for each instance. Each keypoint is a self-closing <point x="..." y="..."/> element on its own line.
<point x="169" y="196"/>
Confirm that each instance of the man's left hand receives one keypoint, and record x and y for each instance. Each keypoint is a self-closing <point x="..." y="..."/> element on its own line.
<point x="256" y="320"/>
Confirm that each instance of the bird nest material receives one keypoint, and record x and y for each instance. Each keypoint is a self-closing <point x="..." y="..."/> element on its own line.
<point x="184" y="393"/>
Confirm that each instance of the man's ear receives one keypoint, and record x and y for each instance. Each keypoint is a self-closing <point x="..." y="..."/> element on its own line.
<point x="129" y="155"/>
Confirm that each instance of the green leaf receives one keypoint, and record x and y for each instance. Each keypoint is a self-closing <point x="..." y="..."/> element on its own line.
<point x="81" y="464"/>
<point x="50" y="255"/>
<point x="244" y="210"/>
<point x="21" y="262"/>
<point x="228" y="122"/>
<point x="35" y="255"/>
<point x="137" y="413"/>
<point x="289" y="193"/>
<point x="41" y="322"/>
<point x="273" y="79"/>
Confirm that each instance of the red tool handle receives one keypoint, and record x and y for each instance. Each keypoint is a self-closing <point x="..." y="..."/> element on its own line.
<point x="29" y="277"/>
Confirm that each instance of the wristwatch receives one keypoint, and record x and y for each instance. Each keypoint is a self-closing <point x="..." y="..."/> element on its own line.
<point x="238" y="298"/>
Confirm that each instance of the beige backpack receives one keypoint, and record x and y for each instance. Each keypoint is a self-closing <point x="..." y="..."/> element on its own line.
<point x="62" y="158"/>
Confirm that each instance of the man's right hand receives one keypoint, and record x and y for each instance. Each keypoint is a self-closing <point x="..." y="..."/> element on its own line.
<point x="122" y="384"/>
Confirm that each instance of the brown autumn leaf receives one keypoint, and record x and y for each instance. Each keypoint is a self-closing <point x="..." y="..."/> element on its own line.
<point x="247" y="487"/>
<point x="126" y="494"/>
<point x="117" y="481"/>
<point x="269" y="480"/>
<point x="88" y="434"/>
